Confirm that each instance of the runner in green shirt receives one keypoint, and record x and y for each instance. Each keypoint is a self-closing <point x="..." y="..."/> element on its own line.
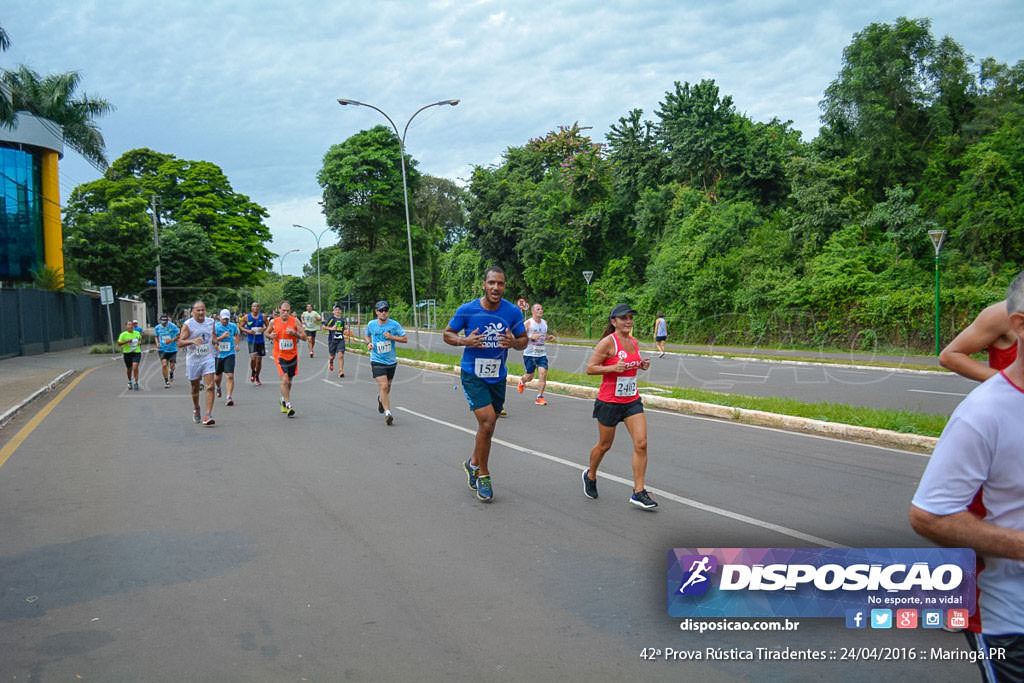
<point x="130" y="342"/>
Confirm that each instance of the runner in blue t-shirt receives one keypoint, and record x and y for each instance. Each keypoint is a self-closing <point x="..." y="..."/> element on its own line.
<point x="167" y="348"/>
<point x="492" y="326"/>
<point x="381" y="335"/>
<point x="253" y="325"/>
<point x="225" y="334"/>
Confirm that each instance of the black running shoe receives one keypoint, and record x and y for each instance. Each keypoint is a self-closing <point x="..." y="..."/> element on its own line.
<point x="380" y="406"/>
<point x="589" y="485"/>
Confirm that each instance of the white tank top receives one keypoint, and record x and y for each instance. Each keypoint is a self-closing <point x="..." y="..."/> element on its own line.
<point x="202" y="331"/>
<point x="536" y="348"/>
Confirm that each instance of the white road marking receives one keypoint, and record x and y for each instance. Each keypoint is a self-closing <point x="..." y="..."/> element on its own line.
<point x="792" y="533"/>
<point x="740" y="374"/>
<point x="943" y="393"/>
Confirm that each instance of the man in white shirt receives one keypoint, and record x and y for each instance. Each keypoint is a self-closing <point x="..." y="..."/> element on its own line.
<point x="979" y="462"/>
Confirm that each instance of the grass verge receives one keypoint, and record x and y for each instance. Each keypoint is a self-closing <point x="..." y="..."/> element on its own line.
<point x="894" y="420"/>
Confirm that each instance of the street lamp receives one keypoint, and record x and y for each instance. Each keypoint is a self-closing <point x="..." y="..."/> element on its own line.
<point x="938" y="237"/>
<point x="319" y="303"/>
<point x="281" y="259"/>
<point x="405" y="190"/>
<point x="588" y="275"/>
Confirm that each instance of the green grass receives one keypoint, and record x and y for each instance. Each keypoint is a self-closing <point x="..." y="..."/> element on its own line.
<point x="101" y="348"/>
<point x="895" y="420"/>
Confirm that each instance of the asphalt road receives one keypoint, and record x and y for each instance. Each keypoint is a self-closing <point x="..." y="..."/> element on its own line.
<point x="923" y="392"/>
<point x="135" y="545"/>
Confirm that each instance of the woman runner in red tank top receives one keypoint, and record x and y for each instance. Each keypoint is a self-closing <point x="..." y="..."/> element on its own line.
<point x="617" y="359"/>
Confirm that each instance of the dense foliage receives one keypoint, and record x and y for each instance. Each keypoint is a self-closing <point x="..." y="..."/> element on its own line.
<point x="210" y="236"/>
<point x="742" y="232"/>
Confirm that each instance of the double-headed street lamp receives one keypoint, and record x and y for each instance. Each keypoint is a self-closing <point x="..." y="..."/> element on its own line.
<point x="319" y="303"/>
<point x="405" y="189"/>
<point x="281" y="259"/>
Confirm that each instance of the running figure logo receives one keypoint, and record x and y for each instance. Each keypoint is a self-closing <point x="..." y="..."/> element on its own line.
<point x="697" y="582"/>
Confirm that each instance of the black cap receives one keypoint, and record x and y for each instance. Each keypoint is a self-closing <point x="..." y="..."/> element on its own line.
<point x="164" y="318"/>
<point x="380" y="304"/>
<point x="621" y="310"/>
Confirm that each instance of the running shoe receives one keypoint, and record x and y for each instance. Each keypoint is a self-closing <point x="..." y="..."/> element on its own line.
<point x="129" y="386"/>
<point x="643" y="499"/>
<point x="252" y="379"/>
<point x="483" y="488"/>
<point x="541" y="401"/>
<point x="172" y="375"/>
<point x="504" y="413"/>
<point x="135" y="385"/>
<point x="219" y="393"/>
<point x="470" y="474"/>
<point x="520" y="386"/>
<point x="229" y="402"/>
<point x="380" y="406"/>
<point x="195" y="416"/>
<point x="389" y="418"/>
<point x="167" y="383"/>
<point x="589" y="485"/>
<point x="340" y="375"/>
<point x="310" y="355"/>
<point x="330" y="365"/>
<point x="284" y="408"/>
<point x="290" y="410"/>
<point x="258" y="382"/>
<point x="208" y="421"/>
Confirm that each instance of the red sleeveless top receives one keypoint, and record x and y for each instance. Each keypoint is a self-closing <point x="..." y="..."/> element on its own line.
<point x="999" y="359"/>
<point x="621" y="387"/>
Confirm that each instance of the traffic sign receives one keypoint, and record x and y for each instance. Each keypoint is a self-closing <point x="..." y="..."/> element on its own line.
<point x="106" y="295"/>
<point x="523" y="304"/>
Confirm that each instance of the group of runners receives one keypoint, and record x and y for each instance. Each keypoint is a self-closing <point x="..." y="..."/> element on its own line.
<point x="486" y="327"/>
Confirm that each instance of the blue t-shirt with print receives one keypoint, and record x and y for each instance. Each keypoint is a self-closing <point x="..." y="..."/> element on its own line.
<point x="229" y="341"/>
<point x="166" y="336"/>
<point x="252" y="321"/>
<point x="487" y="362"/>
<point x="383" y="350"/>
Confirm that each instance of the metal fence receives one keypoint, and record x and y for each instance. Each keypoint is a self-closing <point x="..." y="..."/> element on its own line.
<point x="34" y="321"/>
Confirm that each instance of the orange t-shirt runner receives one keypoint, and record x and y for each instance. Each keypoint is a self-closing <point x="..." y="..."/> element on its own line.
<point x="285" y="344"/>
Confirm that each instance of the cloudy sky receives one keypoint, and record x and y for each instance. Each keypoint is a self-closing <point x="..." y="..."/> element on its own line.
<point x="252" y="86"/>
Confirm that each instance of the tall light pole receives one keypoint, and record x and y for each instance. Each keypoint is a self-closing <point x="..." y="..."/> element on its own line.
<point x="405" y="189"/>
<point x="281" y="259"/>
<point x="319" y="303"/>
<point x="938" y="237"/>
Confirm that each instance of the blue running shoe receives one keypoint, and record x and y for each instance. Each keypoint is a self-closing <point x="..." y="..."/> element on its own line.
<point x="643" y="499"/>
<point x="470" y="474"/>
<point x="483" y="488"/>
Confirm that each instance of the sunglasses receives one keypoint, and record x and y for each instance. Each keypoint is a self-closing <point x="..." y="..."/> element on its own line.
<point x="383" y="310"/>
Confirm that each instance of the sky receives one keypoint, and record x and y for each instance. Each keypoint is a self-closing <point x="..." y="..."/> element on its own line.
<point x="253" y="86"/>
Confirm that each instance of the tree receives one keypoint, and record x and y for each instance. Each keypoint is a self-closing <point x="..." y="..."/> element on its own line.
<point x="897" y="95"/>
<point x="192" y="192"/>
<point x="114" y="247"/>
<point x="296" y="293"/>
<point x="53" y="97"/>
<point x="363" y="202"/>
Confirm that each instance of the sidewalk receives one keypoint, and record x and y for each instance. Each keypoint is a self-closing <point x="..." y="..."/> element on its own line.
<point x="22" y="377"/>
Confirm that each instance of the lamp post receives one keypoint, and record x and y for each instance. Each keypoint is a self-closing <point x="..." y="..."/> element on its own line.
<point x="588" y="275"/>
<point x="405" y="190"/>
<point x="938" y="237"/>
<point x="281" y="259"/>
<point x="319" y="302"/>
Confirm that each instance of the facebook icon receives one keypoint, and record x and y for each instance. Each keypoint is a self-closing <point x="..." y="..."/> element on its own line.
<point x="856" y="618"/>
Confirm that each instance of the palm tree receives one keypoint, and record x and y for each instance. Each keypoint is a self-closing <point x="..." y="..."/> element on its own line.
<point x="53" y="97"/>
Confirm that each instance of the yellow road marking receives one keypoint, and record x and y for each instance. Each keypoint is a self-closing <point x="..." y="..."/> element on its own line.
<point x="12" y="445"/>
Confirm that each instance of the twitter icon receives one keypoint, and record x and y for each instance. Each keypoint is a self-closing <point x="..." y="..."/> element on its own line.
<point x="881" y="618"/>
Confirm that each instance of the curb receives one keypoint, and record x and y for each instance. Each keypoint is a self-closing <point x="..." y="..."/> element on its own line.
<point x="12" y="412"/>
<point x="879" y="437"/>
